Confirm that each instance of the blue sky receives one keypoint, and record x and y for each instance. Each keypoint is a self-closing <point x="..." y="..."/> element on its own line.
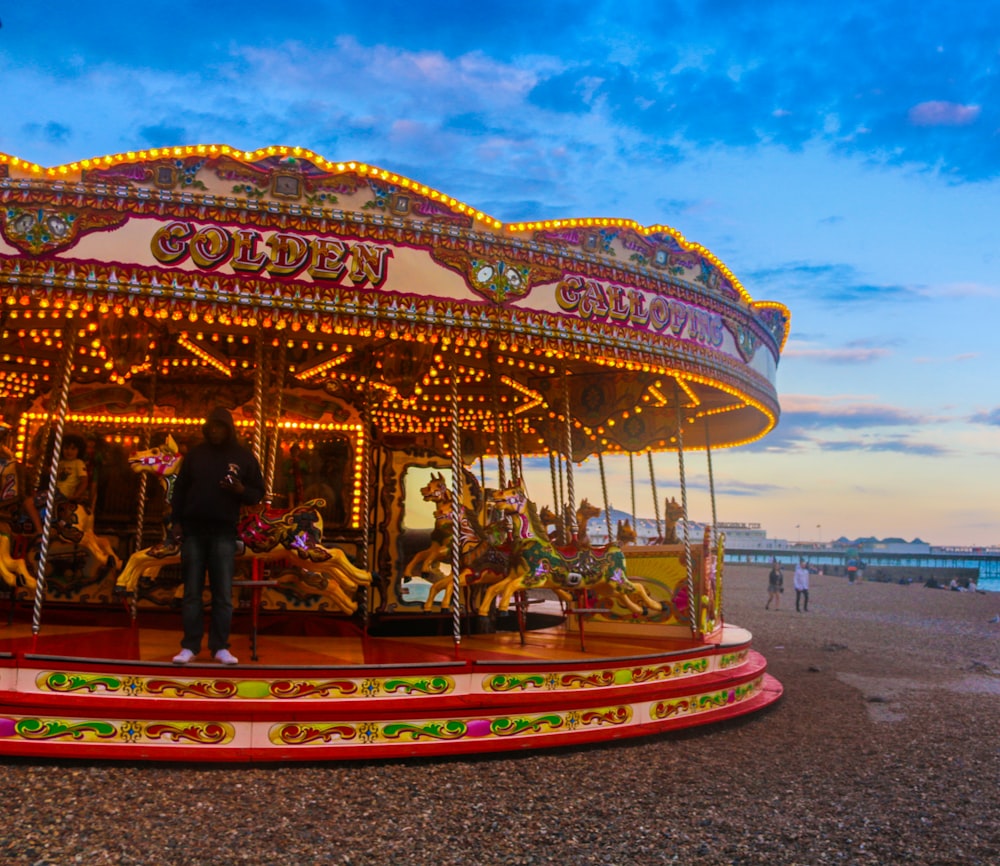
<point x="841" y="158"/>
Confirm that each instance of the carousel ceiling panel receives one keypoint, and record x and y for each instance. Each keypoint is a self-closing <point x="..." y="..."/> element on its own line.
<point x="200" y="266"/>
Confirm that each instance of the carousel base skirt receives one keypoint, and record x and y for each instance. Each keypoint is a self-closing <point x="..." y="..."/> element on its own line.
<point x="325" y="691"/>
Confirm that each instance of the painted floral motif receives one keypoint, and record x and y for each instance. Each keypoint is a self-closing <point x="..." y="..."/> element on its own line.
<point x="513" y="682"/>
<point x="310" y="689"/>
<point x="60" y="681"/>
<point x="300" y="735"/>
<point x="432" y="686"/>
<point x="208" y="733"/>
<point x="192" y="688"/>
<point x="706" y="702"/>
<point x="58" y="729"/>
<point x="729" y="660"/>
<point x="453" y="729"/>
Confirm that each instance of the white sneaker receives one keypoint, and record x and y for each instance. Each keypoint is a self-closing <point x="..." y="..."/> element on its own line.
<point x="225" y="657"/>
<point x="183" y="657"/>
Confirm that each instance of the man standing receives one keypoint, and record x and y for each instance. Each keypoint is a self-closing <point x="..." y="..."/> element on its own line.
<point x="216" y="478"/>
<point x="801" y="583"/>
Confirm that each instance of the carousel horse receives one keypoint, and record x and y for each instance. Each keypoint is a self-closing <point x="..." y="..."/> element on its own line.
<point x="672" y="512"/>
<point x="537" y="563"/>
<point x="267" y="535"/>
<point x="163" y="462"/>
<point x="481" y="556"/>
<point x="626" y="534"/>
<point x="13" y="570"/>
<point x="72" y="523"/>
<point x="584" y="514"/>
<point x="426" y="561"/>
<point x="547" y="517"/>
<point x="264" y="535"/>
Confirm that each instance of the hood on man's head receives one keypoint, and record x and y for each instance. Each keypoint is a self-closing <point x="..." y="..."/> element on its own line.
<point x="223" y="416"/>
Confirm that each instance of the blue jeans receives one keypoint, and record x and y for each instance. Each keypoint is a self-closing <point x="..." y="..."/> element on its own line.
<point x="217" y="555"/>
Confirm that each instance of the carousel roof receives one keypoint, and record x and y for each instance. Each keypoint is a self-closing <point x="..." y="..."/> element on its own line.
<point x="172" y="274"/>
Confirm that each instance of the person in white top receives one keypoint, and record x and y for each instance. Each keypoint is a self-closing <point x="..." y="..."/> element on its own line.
<point x="801" y="583"/>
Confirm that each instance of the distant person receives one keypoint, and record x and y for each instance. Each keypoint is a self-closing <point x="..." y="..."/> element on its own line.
<point x="852" y="569"/>
<point x="775" y="586"/>
<point x="801" y="583"/>
<point x="216" y="478"/>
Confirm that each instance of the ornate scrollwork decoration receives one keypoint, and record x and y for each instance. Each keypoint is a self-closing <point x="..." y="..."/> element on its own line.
<point x="38" y="230"/>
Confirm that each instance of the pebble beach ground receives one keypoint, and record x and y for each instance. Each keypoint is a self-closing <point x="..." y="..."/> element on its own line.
<point x="885" y="749"/>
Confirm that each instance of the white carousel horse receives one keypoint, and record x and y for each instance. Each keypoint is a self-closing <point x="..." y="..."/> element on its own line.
<point x="538" y="563"/>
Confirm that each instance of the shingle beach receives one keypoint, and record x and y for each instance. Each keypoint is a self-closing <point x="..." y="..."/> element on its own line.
<point x="885" y="749"/>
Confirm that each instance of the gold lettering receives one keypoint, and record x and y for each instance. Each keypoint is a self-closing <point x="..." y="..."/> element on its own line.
<point x="210" y="247"/>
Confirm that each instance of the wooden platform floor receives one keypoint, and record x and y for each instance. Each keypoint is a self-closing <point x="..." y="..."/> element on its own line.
<point x="297" y="640"/>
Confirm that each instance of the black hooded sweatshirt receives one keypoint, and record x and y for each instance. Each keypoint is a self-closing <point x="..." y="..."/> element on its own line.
<point x="199" y="505"/>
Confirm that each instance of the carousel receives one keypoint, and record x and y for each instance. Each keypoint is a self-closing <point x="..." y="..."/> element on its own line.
<point x="422" y="385"/>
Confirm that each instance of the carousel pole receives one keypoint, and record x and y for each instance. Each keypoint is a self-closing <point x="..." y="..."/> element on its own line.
<point x="631" y="485"/>
<point x="571" y="495"/>
<point x="258" y="398"/>
<point x="560" y="503"/>
<point x="363" y="552"/>
<point x="272" y="452"/>
<point x="456" y="515"/>
<point x="516" y="468"/>
<point x="69" y="344"/>
<point x="711" y="480"/>
<point x="716" y="539"/>
<point x="692" y="599"/>
<point x="140" y="520"/>
<point x="555" y="496"/>
<point x="497" y="427"/>
<point x="656" y="502"/>
<point x="604" y="491"/>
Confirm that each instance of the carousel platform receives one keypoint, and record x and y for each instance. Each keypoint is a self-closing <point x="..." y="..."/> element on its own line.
<point x="91" y="685"/>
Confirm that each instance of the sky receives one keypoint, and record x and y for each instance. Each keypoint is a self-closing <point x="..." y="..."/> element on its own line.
<point x="841" y="158"/>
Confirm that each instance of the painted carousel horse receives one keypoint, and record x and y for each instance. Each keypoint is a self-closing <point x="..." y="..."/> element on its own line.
<point x="163" y="462"/>
<point x="482" y="559"/>
<point x="267" y="535"/>
<point x="625" y="534"/>
<point x="425" y="562"/>
<point x="672" y="512"/>
<point x="547" y="517"/>
<point x="584" y="514"/>
<point x="538" y="563"/>
<point x="72" y="524"/>
<point x="13" y="570"/>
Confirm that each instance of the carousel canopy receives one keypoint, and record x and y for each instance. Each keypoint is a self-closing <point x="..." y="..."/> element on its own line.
<point x="172" y="275"/>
